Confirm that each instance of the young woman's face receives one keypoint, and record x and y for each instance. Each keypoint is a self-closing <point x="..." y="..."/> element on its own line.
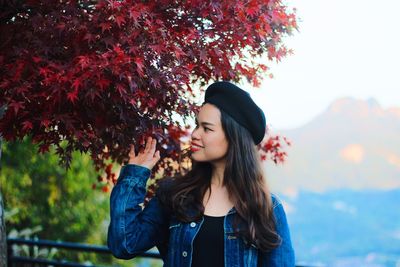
<point x="209" y="142"/>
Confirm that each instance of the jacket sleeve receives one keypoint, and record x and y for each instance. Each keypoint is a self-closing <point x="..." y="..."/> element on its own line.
<point x="283" y="255"/>
<point x="133" y="230"/>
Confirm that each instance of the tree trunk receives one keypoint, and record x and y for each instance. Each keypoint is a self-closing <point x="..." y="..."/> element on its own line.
<point x="3" y="235"/>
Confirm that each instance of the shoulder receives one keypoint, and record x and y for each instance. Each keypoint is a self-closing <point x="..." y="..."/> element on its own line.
<point x="165" y="190"/>
<point x="165" y="184"/>
<point x="278" y="209"/>
<point x="276" y="201"/>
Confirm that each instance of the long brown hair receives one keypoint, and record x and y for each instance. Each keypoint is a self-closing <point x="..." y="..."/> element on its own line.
<point x="244" y="179"/>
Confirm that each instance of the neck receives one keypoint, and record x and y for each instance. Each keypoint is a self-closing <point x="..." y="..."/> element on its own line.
<point x="217" y="178"/>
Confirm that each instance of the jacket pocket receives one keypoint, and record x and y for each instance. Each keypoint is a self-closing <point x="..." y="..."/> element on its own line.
<point x="175" y="227"/>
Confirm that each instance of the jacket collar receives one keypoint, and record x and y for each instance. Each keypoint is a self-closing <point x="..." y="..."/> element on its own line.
<point x="232" y="210"/>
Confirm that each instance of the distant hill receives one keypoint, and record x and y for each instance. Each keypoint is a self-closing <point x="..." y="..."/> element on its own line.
<point x="353" y="144"/>
<point x="345" y="228"/>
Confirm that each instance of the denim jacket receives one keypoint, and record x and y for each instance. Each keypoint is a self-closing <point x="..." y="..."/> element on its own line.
<point x="134" y="230"/>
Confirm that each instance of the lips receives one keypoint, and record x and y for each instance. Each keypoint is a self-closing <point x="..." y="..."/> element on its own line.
<point x="195" y="147"/>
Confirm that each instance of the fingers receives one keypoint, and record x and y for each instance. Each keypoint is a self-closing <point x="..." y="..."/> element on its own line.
<point x="156" y="155"/>
<point x="153" y="146"/>
<point x="147" y="157"/>
<point x="152" y="151"/>
<point x="148" y="145"/>
<point x="132" y="152"/>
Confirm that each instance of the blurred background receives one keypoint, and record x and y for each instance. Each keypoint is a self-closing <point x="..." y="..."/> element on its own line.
<point x="337" y="99"/>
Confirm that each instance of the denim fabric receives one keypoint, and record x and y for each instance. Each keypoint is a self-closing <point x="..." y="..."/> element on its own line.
<point x="133" y="230"/>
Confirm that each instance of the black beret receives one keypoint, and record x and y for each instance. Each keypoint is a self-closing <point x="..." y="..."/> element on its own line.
<point x="238" y="104"/>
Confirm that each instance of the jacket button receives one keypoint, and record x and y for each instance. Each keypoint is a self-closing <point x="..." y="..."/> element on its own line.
<point x="193" y="224"/>
<point x="184" y="254"/>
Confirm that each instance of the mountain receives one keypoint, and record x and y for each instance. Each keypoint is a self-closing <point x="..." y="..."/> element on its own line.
<point x="345" y="228"/>
<point x="353" y="144"/>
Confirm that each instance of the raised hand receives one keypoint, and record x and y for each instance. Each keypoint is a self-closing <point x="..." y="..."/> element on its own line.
<point x="147" y="157"/>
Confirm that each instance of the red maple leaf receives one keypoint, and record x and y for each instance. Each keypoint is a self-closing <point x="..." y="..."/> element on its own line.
<point x="45" y="122"/>
<point x="179" y="52"/>
<point x="103" y="83"/>
<point x="119" y="19"/>
<point x="139" y="64"/>
<point x="16" y="106"/>
<point x="72" y="96"/>
<point x="27" y="125"/>
<point x="105" y="188"/>
<point x="83" y="61"/>
<point x="105" y="26"/>
<point x="253" y="11"/>
<point x="121" y="89"/>
<point x="43" y="148"/>
<point x="76" y="84"/>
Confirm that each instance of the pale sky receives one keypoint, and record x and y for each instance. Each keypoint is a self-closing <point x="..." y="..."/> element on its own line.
<point x="343" y="48"/>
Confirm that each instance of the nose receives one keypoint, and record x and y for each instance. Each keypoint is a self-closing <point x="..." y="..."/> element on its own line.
<point x="195" y="135"/>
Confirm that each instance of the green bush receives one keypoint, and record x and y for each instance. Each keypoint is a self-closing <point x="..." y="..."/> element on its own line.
<point x="45" y="194"/>
<point x="45" y="201"/>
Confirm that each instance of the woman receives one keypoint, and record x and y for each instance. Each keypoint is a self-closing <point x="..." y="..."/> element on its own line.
<point x="218" y="214"/>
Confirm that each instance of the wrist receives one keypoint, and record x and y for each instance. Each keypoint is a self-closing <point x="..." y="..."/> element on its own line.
<point x="135" y="172"/>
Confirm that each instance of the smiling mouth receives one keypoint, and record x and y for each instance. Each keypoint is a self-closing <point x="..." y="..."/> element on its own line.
<point x="195" y="148"/>
<point x="196" y="145"/>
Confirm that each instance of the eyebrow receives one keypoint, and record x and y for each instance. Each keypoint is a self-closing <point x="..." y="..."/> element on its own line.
<point x="205" y="123"/>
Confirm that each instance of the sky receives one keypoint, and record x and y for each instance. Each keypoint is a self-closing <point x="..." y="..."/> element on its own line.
<point x="344" y="48"/>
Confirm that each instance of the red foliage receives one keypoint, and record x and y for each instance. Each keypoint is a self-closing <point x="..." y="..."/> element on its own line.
<point x="272" y="148"/>
<point x="102" y="74"/>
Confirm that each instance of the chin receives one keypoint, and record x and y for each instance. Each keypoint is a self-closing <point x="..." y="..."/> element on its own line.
<point x="203" y="159"/>
<point x="193" y="157"/>
<point x="197" y="158"/>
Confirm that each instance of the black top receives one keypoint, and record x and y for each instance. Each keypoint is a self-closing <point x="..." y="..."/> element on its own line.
<point x="208" y="245"/>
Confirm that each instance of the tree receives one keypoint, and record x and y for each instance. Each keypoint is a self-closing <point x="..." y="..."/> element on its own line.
<point x="45" y="194"/>
<point x="41" y="193"/>
<point x="100" y="75"/>
<point x="3" y="236"/>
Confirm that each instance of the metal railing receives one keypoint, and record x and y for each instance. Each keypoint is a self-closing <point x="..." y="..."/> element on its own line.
<point x="14" y="259"/>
